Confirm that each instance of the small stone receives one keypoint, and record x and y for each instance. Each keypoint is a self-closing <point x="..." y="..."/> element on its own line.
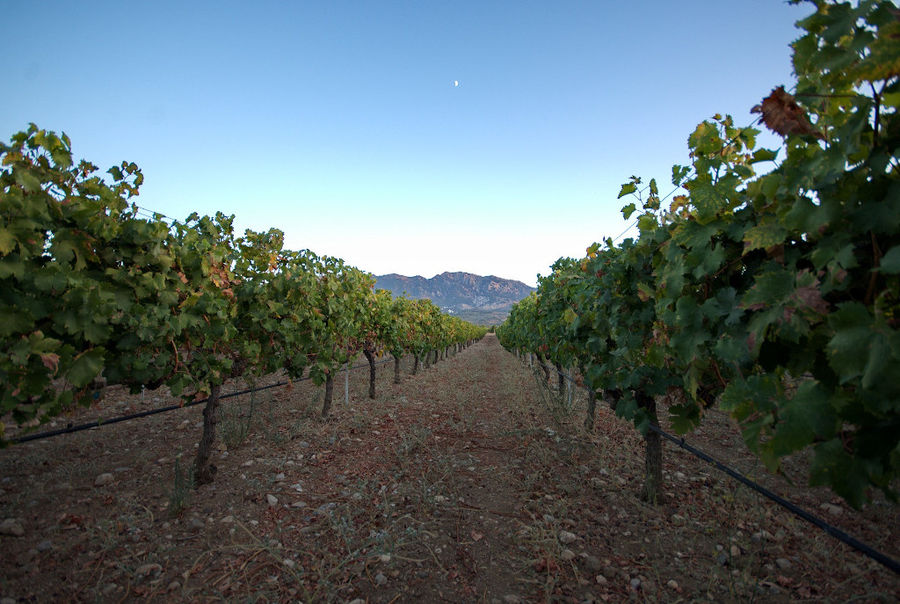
<point x="103" y="479"/>
<point x="304" y="444"/>
<point x="384" y="558"/>
<point x="109" y="588"/>
<point x="677" y="519"/>
<point x="762" y="535"/>
<point x="279" y="477"/>
<point x="440" y="499"/>
<point x="228" y="519"/>
<point x="635" y="583"/>
<point x="298" y="504"/>
<point x="592" y="562"/>
<point x="148" y="569"/>
<point x="12" y="527"/>
<point x="290" y="563"/>
<point x="174" y="586"/>
<point x="735" y="551"/>
<point x="567" y="555"/>
<point x="44" y="545"/>
<point x="247" y="463"/>
<point x="273" y="501"/>
<point x="512" y="599"/>
<point x="122" y="470"/>
<point x="601" y="580"/>
<point x="783" y="563"/>
<point x="834" y="510"/>
<point x="721" y="559"/>
<point x="197" y="524"/>
<point x="380" y="579"/>
<point x="566" y="537"/>
<point x="672" y="584"/>
<point x="325" y="508"/>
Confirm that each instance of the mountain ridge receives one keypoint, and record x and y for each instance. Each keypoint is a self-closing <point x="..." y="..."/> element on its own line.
<point x="484" y="300"/>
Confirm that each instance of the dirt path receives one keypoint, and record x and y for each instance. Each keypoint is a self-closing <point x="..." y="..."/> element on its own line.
<point x="467" y="482"/>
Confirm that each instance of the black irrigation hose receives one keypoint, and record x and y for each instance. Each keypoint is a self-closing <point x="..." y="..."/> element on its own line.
<point x="116" y="420"/>
<point x="835" y="532"/>
<point x="831" y="530"/>
<point x="103" y="422"/>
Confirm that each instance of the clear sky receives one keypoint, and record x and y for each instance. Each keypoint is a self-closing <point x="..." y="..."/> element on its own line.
<point x="410" y="137"/>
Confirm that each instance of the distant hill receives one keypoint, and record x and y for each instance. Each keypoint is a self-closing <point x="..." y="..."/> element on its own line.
<point x="480" y="300"/>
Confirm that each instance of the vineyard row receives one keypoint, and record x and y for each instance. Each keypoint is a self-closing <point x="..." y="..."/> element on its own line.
<point x="91" y="290"/>
<point x="774" y="294"/>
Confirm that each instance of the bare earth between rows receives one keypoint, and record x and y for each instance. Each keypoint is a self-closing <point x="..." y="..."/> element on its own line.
<point x="467" y="482"/>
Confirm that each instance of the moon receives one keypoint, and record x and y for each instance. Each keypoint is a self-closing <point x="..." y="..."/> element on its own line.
<point x="456" y="83"/>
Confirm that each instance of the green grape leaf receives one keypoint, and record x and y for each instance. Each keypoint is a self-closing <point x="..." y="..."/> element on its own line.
<point x="11" y="266"/>
<point x="890" y="262"/>
<point x="27" y="181"/>
<point x="706" y="200"/>
<point x="850" y="348"/>
<point x="770" y="288"/>
<point x="763" y="236"/>
<point x="806" y="416"/>
<point x="679" y="173"/>
<point x="13" y="320"/>
<point x="627" y="188"/>
<point x="761" y="155"/>
<point x="7" y="241"/>
<point x="834" y="467"/>
<point x="684" y="418"/>
<point x="705" y="138"/>
<point x="86" y="367"/>
<point x="647" y="222"/>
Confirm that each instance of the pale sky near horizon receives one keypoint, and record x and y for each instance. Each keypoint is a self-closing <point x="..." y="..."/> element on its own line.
<point x="408" y="137"/>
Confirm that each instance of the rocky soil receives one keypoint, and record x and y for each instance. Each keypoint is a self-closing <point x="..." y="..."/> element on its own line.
<point x="468" y="482"/>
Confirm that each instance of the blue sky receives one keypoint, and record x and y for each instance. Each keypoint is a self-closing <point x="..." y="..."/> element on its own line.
<point x="339" y="122"/>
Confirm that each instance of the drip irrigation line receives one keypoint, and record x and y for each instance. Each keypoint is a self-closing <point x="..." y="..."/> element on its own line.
<point x="115" y="420"/>
<point x="798" y="511"/>
<point x="835" y="532"/>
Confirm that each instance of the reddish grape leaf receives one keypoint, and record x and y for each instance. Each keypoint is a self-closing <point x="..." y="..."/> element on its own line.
<point x="781" y="114"/>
